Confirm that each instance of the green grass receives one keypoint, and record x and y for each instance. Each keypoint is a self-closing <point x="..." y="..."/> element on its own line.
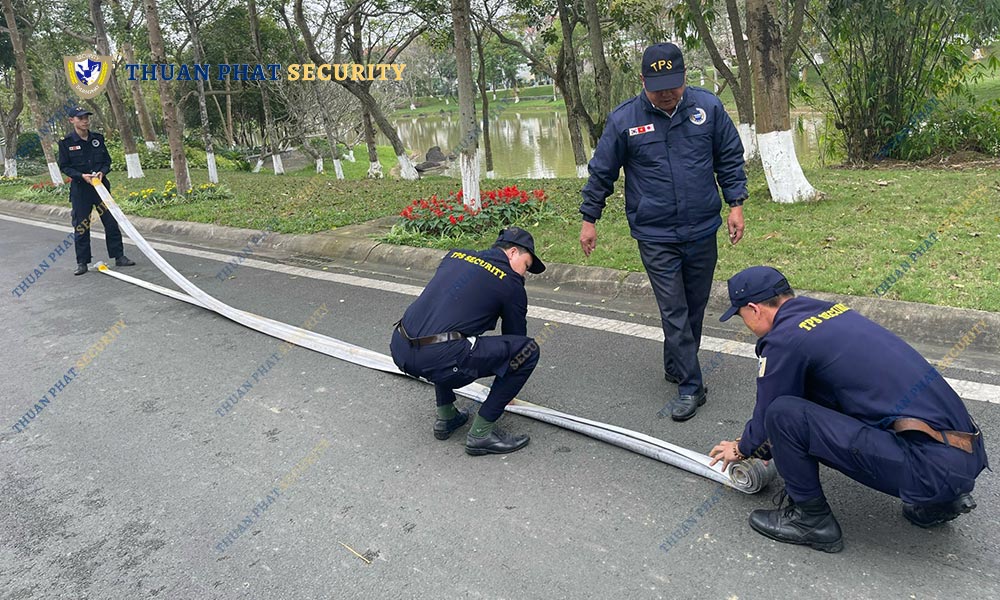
<point x="847" y="243"/>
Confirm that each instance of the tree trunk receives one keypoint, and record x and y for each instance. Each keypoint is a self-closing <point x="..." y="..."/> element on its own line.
<point x="602" y="74"/>
<point x="10" y="126"/>
<point x="21" y="62"/>
<point x="132" y="164"/>
<point x="198" y="51"/>
<point x="487" y="146"/>
<point x="572" y="119"/>
<point x="774" y="134"/>
<point x="571" y="79"/>
<point x="229" y="104"/>
<point x="174" y="134"/>
<point x="270" y="139"/>
<point x="145" y="122"/>
<point x="374" y="166"/>
<point x="468" y="157"/>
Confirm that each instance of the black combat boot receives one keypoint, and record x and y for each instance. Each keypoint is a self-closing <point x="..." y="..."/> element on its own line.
<point x="929" y="515"/>
<point x="809" y="523"/>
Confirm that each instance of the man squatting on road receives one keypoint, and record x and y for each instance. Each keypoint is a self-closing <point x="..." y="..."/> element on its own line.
<point x="674" y="143"/>
<point x="83" y="157"/>
<point x="837" y="389"/>
<point x="440" y="336"/>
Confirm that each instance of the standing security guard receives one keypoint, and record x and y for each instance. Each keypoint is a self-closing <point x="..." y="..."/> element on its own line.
<point x="838" y="389"/>
<point x="440" y="337"/>
<point x="83" y="156"/>
<point x="674" y="143"/>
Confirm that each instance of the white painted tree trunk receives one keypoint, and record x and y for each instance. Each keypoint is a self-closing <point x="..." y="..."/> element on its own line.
<point x="10" y="167"/>
<point x="375" y="170"/>
<point x="582" y="172"/>
<point x="350" y="156"/>
<point x="319" y="164"/>
<point x="406" y="169"/>
<point x="781" y="167"/>
<point x="338" y="168"/>
<point x="469" y="163"/>
<point x="748" y="135"/>
<point x="213" y="168"/>
<point x="491" y="174"/>
<point x="57" y="178"/>
<point x="133" y="166"/>
<point x="259" y="165"/>
<point x="279" y="167"/>
<point x="152" y="145"/>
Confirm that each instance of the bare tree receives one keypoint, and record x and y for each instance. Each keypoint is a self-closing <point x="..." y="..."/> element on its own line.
<point x="175" y="135"/>
<point x="774" y="132"/>
<point x="21" y="60"/>
<point x="138" y="98"/>
<point x="132" y="164"/>
<point x="191" y="12"/>
<point x="270" y="134"/>
<point x="340" y="25"/>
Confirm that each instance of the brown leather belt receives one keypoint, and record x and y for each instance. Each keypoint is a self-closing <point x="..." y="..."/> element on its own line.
<point x="957" y="439"/>
<point x="430" y="339"/>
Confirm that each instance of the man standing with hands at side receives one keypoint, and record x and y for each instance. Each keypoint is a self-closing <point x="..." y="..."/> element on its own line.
<point x="83" y="156"/>
<point x="677" y="146"/>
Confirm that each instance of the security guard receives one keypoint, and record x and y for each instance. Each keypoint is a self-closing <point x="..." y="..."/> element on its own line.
<point x="677" y="146"/>
<point x="440" y="336"/>
<point x="837" y="389"/>
<point x="83" y="156"/>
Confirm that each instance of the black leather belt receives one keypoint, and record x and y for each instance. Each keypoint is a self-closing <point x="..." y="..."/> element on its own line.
<point x="451" y="336"/>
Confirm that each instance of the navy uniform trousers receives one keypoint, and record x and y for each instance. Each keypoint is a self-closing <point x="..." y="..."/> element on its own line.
<point x="84" y="198"/>
<point x="455" y="364"/>
<point x="910" y="465"/>
<point x="681" y="277"/>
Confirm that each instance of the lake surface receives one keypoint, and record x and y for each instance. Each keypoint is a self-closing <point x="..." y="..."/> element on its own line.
<point x="536" y="144"/>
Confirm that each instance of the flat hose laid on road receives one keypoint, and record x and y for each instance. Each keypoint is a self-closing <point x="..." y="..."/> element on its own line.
<point x="749" y="476"/>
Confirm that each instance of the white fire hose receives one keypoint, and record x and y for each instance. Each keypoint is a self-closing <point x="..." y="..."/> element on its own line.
<point x="749" y="476"/>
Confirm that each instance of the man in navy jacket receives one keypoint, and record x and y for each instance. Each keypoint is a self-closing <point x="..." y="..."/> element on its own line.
<point x="837" y="389"/>
<point x="440" y="336"/>
<point x="677" y="146"/>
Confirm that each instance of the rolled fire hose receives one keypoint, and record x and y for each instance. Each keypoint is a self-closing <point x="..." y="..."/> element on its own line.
<point x="749" y="476"/>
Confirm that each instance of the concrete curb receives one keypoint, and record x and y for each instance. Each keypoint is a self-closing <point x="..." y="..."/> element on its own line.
<point x="929" y="323"/>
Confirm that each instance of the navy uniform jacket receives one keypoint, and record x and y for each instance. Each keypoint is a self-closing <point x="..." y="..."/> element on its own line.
<point x="671" y="167"/>
<point x="78" y="156"/>
<point x="467" y="294"/>
<point x="833" y="356"/>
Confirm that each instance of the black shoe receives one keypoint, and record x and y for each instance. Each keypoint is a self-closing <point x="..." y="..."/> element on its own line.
<point x="497" y="442"/>
<point x="808" y="524"/>
<point x="123" y="261"/>
<point x="81" y="268"/>
<point x="444" y="428"/>
<point x="929" y="515"/>
<point x="686" y="405"/>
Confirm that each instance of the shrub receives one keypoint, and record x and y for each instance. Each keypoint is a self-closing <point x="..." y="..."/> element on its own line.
<point x="946" y="131"/>
<point x="153" y="197"/>
<point x="450" y="217"/>
<point x="9" y="181"/>
<point x="29" y="145"/>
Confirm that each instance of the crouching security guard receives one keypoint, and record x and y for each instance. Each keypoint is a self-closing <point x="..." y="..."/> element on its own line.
<point x="835" y="388"/>
<point x="440" y="337"/>
<point x="83" y="157"/>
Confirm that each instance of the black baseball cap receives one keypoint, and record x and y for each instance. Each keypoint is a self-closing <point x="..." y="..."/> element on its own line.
<point x="754" y="285"/>
<point x="520" y="237"/>
<point x="662" y="67"/>
<point x="79" y="111"/>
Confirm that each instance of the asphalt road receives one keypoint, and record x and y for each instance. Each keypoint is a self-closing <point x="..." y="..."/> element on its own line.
<point x="128" y="481"/>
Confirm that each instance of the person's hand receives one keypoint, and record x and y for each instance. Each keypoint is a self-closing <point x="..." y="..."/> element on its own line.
<point x="735" y="223"/>
<point x="727" y="452"/>
<point x="588" y="237"/>
<point x="87" y="177"/>
<point x="99" y="175"/>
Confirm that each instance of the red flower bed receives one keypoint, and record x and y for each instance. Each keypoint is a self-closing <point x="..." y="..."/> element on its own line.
<point x="449" y="216"/>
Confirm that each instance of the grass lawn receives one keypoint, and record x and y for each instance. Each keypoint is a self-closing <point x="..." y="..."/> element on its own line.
<point x="868" y="223"/>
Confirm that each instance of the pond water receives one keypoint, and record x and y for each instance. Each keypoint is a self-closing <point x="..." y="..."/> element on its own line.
<point x="536" y="144"/>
